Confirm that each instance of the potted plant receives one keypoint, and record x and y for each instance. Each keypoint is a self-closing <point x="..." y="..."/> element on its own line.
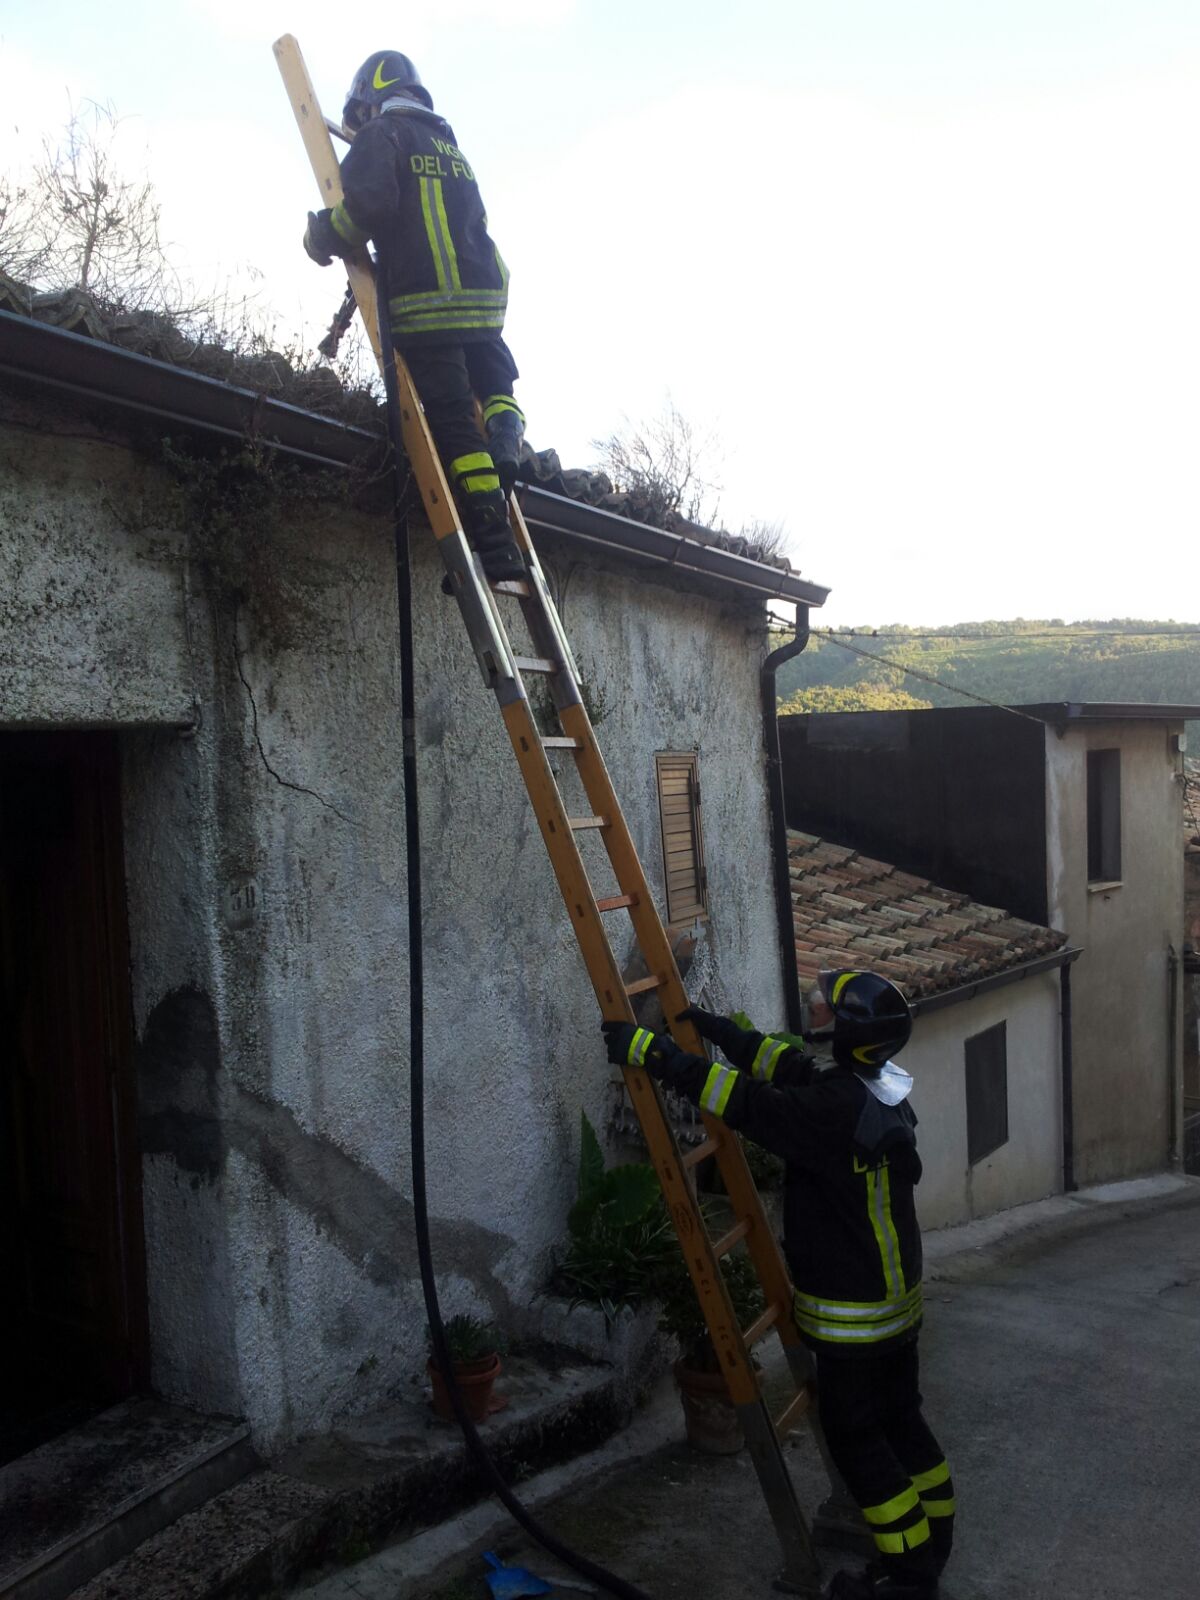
<point x="710" y="1417"/>
<point x="475" y="1349"/>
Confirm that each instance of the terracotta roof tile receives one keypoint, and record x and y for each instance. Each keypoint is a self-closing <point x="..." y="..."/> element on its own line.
<point x="848" y="909"/>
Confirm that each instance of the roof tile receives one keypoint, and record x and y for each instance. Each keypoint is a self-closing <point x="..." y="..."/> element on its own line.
<point x="848" y="908"/>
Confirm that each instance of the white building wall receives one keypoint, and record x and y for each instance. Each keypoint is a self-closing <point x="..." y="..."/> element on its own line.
<point x="267" y="898"/>
<point x="1125" y="1055"/>
<point x="1029" y="1165"/>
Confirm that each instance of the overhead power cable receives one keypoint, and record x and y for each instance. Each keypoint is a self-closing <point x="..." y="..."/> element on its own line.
<point x="1051" y="633"/>
<point x="927" y="677"/>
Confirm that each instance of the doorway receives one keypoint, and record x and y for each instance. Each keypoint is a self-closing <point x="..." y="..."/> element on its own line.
<point x="71" y="1246"/>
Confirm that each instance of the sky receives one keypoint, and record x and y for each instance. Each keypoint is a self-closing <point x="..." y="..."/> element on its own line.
<point x="927" y="275"/>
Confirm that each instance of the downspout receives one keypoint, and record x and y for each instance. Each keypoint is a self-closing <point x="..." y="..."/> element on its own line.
<point x="779" y="855"/>
<point x="1068" y="1083"/>
<point x="1174" y="1062"/>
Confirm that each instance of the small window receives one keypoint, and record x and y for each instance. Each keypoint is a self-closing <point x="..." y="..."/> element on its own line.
<point x="987" y="1092"/>
<point x="1104" y="816"/>
<point x="682" y="836"/>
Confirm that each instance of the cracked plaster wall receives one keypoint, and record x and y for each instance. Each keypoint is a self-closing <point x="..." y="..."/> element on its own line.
<point x="266" y="885"/>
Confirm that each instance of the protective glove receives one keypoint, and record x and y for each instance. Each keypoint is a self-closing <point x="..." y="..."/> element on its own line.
<point x="317" y="238"/>
<point x="737" y="1045"/>
<point x="631" y="1046"/>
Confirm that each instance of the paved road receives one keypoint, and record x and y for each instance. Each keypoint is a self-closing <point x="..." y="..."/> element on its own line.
<point x="1061" y="1367"/>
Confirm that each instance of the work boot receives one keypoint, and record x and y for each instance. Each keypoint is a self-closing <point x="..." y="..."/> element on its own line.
<point x="875" y="1582"/>
<point x="505" y="431"/>
<point x="497" y="549"/>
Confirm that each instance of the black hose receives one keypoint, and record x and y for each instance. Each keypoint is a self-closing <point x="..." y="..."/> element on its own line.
<point x="412" y="841"/>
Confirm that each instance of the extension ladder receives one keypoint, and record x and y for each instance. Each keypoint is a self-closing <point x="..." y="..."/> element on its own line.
<point x="503" y="671"/>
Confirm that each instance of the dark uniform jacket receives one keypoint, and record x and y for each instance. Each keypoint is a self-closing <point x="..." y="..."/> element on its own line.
<point x="850" y="1229"/>
<point x="410" y="188"/>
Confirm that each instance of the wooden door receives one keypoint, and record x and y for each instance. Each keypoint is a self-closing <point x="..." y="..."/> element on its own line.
<point x="71" y="1248"/>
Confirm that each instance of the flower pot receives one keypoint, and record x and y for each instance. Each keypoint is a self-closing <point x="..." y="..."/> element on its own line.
<point x="710" y="1416"/>
<point x="475" y="1380"/>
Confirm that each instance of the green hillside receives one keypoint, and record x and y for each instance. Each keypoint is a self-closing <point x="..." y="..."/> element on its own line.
<point x="1012" y="662"/>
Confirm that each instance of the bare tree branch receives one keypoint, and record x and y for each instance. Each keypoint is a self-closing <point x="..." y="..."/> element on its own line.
<point x="667" y="462"/>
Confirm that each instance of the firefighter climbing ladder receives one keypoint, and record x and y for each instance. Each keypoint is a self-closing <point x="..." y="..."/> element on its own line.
<point x="503" y="671"/>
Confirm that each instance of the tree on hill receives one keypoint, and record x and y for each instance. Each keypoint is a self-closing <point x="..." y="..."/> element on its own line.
<point x="861" y="697"/>
<point x="1009" y="662"/>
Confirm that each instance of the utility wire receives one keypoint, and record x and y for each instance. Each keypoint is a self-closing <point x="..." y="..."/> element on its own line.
<point x="1050" y="633"/>
<point x="927" y="677"/>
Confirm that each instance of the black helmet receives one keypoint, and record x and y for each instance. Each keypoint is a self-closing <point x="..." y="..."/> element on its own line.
<point x="385" y="70"/>
<point x="871" y="1017"/>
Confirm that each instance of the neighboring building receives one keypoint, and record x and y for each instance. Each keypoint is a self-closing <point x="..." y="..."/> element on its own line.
<point x="1191" y="1001"/>
<point x="1071" y="815"/>
<point x="987" y="1048"/>
<point x="203" y="940"/>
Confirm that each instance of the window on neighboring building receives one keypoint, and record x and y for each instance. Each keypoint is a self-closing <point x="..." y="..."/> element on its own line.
<point x="987" y="1092"/>
<point x="682" y="836"/>
<point x="1104" y="816"/>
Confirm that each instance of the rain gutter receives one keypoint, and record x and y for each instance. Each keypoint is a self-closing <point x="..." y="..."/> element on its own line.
<point x="778" y="808"/>
<point x="95" y="370"/>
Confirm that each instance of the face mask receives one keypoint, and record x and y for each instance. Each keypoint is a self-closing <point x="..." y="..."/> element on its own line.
<point x="890" y="1085"/>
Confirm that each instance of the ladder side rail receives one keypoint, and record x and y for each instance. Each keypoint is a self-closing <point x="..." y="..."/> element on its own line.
<point x="324" y="163"/>
<point x="656" y="947"/>
<point x="418" y="442"/>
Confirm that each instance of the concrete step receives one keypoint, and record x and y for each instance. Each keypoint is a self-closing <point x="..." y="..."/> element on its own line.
<point x="333" y="1499"/>
<point x="75" y="1505"/>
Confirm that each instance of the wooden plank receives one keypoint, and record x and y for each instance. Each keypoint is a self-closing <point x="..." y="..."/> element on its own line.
<point x="736" y="1234"/>
<point x="554" y="741"/>
<point x="580" y="823"/>
<point x="324" y="162"/>
<point x="699" y="1153"/>
<point x="614" y="902"/>
<point x="792" y="1414"/>
<point x="761" y="1326"/>
<point x="644" y="985"/>
<point x="537" y="664"/>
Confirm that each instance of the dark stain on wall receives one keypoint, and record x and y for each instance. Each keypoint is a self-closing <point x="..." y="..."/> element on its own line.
<point x="178" y="1073"/>
<point x="195" y="1112"/>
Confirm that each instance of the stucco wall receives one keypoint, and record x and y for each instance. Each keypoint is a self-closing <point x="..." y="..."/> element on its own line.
<point x="92" y="563"/>
<point x="267" y="905"/>
<point x="1029" y="1165"/>
<point x="1120" y="983"/>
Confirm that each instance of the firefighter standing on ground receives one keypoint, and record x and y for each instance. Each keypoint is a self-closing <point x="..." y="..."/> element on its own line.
<point x="409" y="188"/>
<point x="852" y="1244"/>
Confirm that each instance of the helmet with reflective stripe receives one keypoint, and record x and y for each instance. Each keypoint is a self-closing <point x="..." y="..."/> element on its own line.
<point x="871" y="1018"/>
<point x="381" y="77"/>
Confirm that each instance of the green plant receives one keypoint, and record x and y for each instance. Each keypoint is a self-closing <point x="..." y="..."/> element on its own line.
<point x="471" y="1338"/>
<point x="621" y="1237"/>
<point x="681" y="1314"/>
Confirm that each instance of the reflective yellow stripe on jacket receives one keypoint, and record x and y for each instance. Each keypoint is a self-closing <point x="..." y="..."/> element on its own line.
<point x="767" y="1058"/>
<point x="850" y="1322"/>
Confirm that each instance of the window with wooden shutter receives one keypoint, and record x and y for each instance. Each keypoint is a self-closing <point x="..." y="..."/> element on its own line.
<point x="683" y="838"/>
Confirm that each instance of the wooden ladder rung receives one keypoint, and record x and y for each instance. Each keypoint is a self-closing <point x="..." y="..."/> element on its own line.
<point x="516" y="586"/>
<point x="560" y="741"/>
<point x="695" y="1156"/>
<point x="587" y="822"/>
<point x="723" y="1245"/>
<point x="614" y="902"/>
<point x="762" y="1326"/>
<point x="791" y="1414"/>
<point x="654" y="981"/>
<point x="536" y="664"/>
